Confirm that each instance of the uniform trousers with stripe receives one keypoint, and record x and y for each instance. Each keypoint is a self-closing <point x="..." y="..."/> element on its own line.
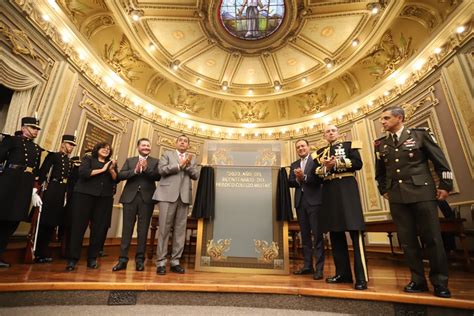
<point x="340" y="253"/>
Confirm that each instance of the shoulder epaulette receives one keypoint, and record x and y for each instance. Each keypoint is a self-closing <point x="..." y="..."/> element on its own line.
<point x="421" y="129"/>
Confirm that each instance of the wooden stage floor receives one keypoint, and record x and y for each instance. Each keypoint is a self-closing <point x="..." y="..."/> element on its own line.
<point x="387" y="278"/>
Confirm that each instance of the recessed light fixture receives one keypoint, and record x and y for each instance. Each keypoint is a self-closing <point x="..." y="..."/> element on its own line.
<point x="386" y="93"/>
<point x="46" y="17"/>
<point x="329" y="63"/>
<point x="175" y="65"/>
<point x="370" y="103"/>
<point x="355" y="42"/>
<point x="304" y="79"/>
<point x="374" y="8"/>
<point x="136" y="15"/>
<point x="437" y="50"/>
<point x="419" y="63"/>
<point x="225" y="85"/>
<point x="198" y="80"/>
<point x="250" y="91"/>
<point x="152" y="46"/>
<point x="277" y="86"/>
<point x="460" y="29"/>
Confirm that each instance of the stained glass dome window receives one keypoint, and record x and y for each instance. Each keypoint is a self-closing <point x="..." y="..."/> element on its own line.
<point x="251" y="19"/>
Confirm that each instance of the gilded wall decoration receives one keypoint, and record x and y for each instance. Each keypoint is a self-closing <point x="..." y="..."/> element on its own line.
<point x="387" y="55"/>
<point x="216" y="250"/>
<point x="421" y="15"/>
<point x="184" y="100"/>
<point x="217" y="107"/>
<point x="350" y="83"/>
<point x="317" y="99"/>
<point x="154" y="84"/>
<point x="268" y="252"/>
<point x="123" y="59"/>
<point x="105" y="113"/>
<point x="97" y="23"/>
<point x="21" y="44"/>
<point x="80" y="8"/>
<point x="250" y="111"/>
<point x="282" y="108"/>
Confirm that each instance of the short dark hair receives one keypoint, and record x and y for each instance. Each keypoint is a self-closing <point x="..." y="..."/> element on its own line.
<point x="396" y="111"/>
<point x="302" y="140"/>
<point x="98" y="146"/>
<point x="182" y="135"/>
<point x="143" y="139"/>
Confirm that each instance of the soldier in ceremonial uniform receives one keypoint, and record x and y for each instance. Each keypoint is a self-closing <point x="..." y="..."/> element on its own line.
<point x="404" y="178"/>
<point x="341" y="209"/>
<point x="53" y="175"/>
<point x="22" y="160"/>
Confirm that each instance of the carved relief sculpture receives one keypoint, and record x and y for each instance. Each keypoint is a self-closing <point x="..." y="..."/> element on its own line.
<point x="250" y="112"/>
<point x="386" y="56"/>
<point x="317" y="99"/>
<point x="123" y="59"/>
<point x="184" y="100"/>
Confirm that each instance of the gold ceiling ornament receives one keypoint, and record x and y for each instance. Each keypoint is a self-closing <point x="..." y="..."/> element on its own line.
<point x="154" y="84"/>
<point x="123" y="59"/>
<point x="105" y="113"/>
<point x="216" y="250"/>
<point x="96" y="23"/>
<point x="184" y="100"/>
<point x="250" y="111"/>
<point x="318" y="99"/>
<point x="386" y="56"/>
<point x="267" y="252"/>
<point x="21" y="44"/>
<point x="422" y="15"/>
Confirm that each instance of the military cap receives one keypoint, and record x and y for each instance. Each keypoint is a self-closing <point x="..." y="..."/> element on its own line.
<point x="71" y="139"/>
<point x="30" y="121"/>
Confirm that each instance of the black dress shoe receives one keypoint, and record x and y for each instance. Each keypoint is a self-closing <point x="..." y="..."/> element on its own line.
<point x="177" y="269"/>
<point x="139" y="266"/>
<point x="360" y="285"/>
<point x="338" y="279"/>
<point x="92" y="264"/>
<point x="71" y="265"/>
<point x="303" y="271"/>
<point x="43" y="260"/>
<point x="161" y="270"/>
<point x="318" y="275"/>
<point x="121" y="265"/>
<point x="4" y="264"/>
<point x="442" y="291"/>
<point x="414" y="287"/>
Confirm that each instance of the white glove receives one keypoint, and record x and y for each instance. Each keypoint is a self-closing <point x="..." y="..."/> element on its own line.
<point x="35" y="198"/>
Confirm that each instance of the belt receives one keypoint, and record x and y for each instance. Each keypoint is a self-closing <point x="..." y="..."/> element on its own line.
<point x="25" y="169"/>
<point x="64" y="181"/>
<point x="335" y="176"/>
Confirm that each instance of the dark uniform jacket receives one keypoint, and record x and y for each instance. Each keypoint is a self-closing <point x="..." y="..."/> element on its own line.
<point x="101" y="185"/>
<point x="403" y="172"/>
<point x="341" y="209"/>
<point x="143" y="182"/>
<point x="54" y="173"/>
<point x="311" y="185"/>
<point x="22" y="159"/>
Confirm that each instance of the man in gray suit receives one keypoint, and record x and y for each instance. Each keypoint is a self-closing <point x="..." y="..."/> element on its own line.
<point x="308" y="204"/>
<point x="141" y="172"/>
<point x="174" y="193"/>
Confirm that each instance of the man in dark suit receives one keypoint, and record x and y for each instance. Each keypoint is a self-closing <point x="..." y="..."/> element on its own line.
<point x="307" y="201"/>
<point x="174" y="193"/>
<point x="404" y="178"/>
<point x="22" y="161"/>
<point x="141" y="172"/>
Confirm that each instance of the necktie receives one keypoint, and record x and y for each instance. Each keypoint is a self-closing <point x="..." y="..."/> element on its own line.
<point x="181" y="156"/>
<point x="395" y="139"/>
<point x="303" y="163"/>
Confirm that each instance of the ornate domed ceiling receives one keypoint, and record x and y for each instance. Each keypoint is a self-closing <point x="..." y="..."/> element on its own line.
<point x="180" y="56"/>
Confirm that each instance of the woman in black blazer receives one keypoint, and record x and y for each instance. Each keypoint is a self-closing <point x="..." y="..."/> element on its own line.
<point x="92" y="201"/>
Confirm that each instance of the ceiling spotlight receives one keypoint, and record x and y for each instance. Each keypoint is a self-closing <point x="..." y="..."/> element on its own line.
<point x="419" y="63"/>
<point x="370" y="103"/>
<point x="175" y="65"/>
<point x="269" y="133"/>
<point x="46" y="17"/>
<point x="437" y="50"/>
<point x="250" y="91"/>
<point x="401" y="80"/>
<point x="198" y="80"/>
<point x="374" y="8"/>
<point x="355" y="42"/>
<point x="225" y="85"/>
<point x="152" y="46"/>
<point x="136" y="15"/>
<point x="386" y="93"/>
<point x="81" y="54"/>
<point x="122" y="94"/>
<point x="66" y="37"/>
<point x="304" y="79"/>
<point x="355" y="110"/>
<point x="329" y="63"/>
<point x="460" y="29"/>
<point x="149" y="108"/>
<point x="277" y="85"/>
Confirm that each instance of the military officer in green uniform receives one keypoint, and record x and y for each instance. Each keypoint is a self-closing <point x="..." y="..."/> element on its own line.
<point x="21" y="159"/>
<point x="341" y="209"/>
<point x="404" y="178"/>
<point x="53" y="175"/>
